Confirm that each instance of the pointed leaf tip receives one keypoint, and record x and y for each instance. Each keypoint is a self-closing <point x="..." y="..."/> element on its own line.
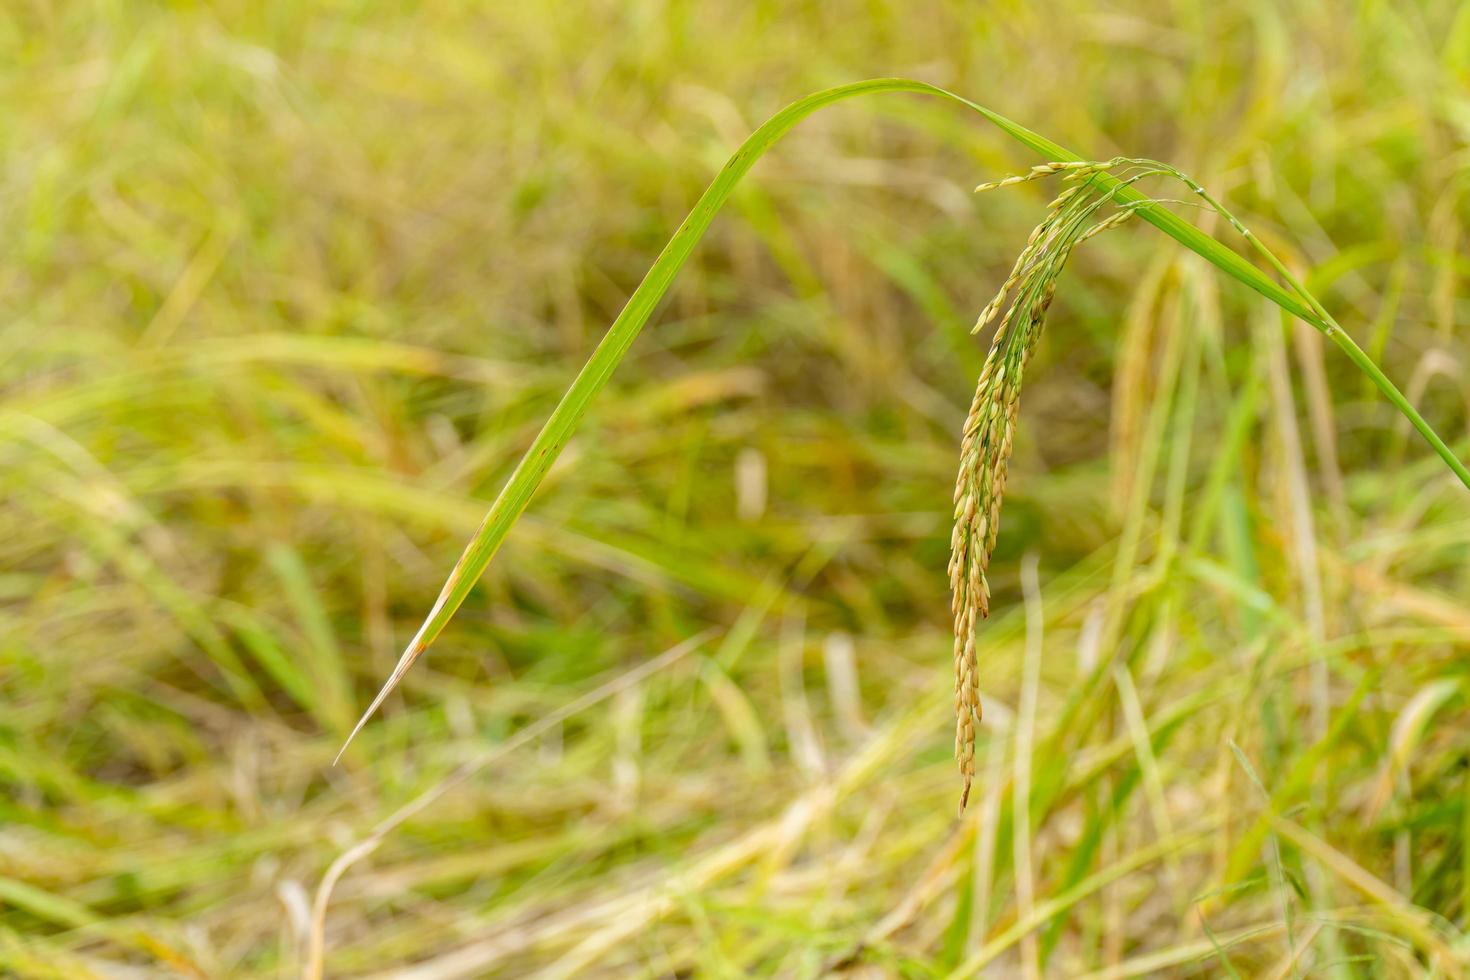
<point x="415" y="649"/>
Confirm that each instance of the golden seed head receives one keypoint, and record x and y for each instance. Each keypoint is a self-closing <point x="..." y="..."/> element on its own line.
<point x="989" y="428"/>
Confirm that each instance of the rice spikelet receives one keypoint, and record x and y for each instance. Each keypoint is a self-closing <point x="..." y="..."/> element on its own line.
<point x="989" y="429"/>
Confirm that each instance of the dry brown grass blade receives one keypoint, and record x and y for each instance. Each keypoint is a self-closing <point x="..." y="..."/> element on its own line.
<point x="1416" y="922"/>
<point x="316" y="937"/>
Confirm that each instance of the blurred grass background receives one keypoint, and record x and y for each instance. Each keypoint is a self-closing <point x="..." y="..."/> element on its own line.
<point x="286" y="288"/>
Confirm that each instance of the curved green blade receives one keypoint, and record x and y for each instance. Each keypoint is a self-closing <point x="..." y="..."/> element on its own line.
<point x="573" y="406"/>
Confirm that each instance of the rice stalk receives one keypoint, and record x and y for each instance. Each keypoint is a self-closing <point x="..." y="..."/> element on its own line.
<point x="990" y="425"/>
<point x="989" y="428"/>
<point x="1072" y="218"/>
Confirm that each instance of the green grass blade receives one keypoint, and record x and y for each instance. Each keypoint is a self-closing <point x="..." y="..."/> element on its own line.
<point x="553" y="437"/>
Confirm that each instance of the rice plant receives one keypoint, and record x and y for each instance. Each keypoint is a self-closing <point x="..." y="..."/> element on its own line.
<point x="1073" y="218"/>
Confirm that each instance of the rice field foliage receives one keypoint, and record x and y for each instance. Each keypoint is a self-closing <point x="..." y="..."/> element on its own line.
<point x="289" y="290"/>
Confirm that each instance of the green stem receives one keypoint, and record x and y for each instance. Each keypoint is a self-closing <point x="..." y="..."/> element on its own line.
<point x="1325" y="322"/>
<point x="1390" y="391"/>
